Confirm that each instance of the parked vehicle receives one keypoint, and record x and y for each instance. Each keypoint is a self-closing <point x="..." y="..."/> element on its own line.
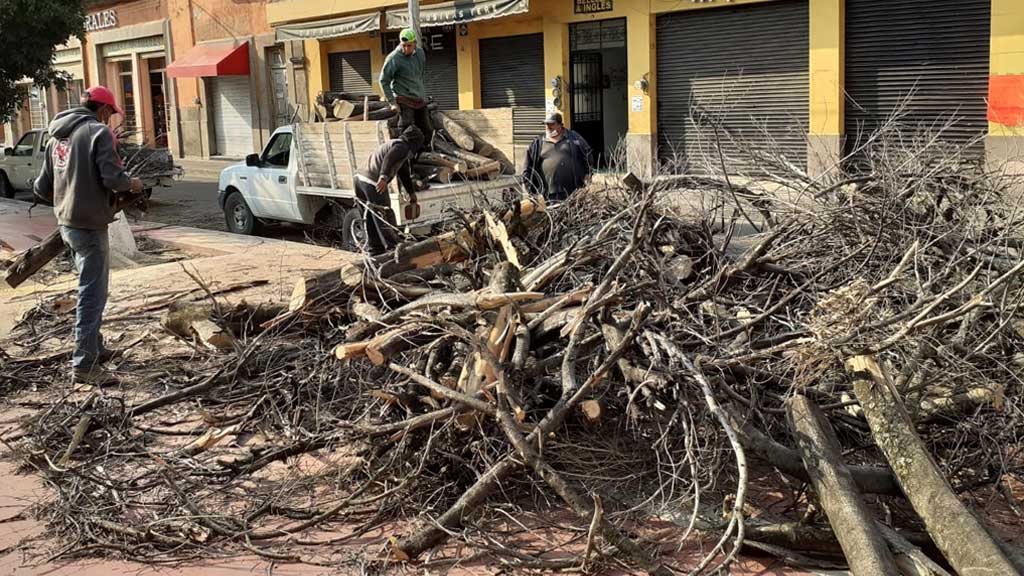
<point x="307" y="179"/>
<point x="20" y="165"/>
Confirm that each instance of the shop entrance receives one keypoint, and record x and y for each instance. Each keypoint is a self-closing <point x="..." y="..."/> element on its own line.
<point x="158" y="101"/>
<point x="598" y="91"/>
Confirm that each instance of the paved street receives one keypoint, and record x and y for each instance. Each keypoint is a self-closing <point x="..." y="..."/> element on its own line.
<point x="194" y="204"/>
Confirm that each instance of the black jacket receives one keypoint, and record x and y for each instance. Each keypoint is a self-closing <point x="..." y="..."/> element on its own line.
<point x="536" y="182"/>
<point x="391" y="159"/>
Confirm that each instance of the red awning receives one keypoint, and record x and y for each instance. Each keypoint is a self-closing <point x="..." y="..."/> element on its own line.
<point x="214" y="59"/>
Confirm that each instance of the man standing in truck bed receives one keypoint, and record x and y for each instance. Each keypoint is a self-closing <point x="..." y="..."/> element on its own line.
<point x="402" y="82"/>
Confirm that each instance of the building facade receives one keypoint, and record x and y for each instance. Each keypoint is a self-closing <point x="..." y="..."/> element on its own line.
<point x="807" y="77"/>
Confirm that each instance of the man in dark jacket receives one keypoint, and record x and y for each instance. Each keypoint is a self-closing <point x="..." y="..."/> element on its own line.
<point x="390" y="160"/>
<point x="558" y="163"/>
<point x="401" y="79"/>
<point x="82" y="175"/>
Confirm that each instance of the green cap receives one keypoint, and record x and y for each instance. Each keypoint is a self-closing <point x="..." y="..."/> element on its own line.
<point x="408" y="35"/>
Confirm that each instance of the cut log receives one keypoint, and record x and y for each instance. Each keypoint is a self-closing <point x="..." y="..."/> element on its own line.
<point x="350" y="350"/>
<point x="382" y="114"/>
<point x="459" y="134"/>
<point x="470" y="158"/>
<point x="482" y="171"/>
<point x="342" y="109"/>
<point x="324" y="287"/>
<point x="956" y="531"/>
<point x="212" y="335"/>
<point x="591" y="410"/>
<point x="403" y="338"/>
<point x="442" y="160"/>
<point x="956" y="405"/>
<point x="356" y="97"/>
<point x="32" y="260"/>
<point x="864" y="548"/>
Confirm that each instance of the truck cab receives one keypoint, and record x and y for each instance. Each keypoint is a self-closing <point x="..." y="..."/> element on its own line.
<point x="20" y="164"/>
<point x="291" y="181"/>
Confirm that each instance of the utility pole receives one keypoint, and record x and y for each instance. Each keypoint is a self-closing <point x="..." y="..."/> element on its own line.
<point x="414" y="21"/>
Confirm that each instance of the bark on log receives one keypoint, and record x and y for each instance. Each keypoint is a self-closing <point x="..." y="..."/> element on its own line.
<point x="459" y="134"/>
<point x="869" y="479"/>
<point x="957" y="532"/>
<point x="33" y="259"/>
<point x="403" y="338"/>
<point x="484" y="171"/>
<point x="864" y="548"/>
<point x="443" y="161"/>
<point x="470" y="158"/>
<point x="324" y="287"/>
<point x="342" y="109"/>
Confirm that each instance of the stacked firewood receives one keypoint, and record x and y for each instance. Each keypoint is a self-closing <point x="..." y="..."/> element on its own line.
<point x="820" y="369"/>
<point x="334" y="106"/>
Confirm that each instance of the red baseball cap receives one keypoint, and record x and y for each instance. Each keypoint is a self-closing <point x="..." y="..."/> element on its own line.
<point x="103" y="95"/>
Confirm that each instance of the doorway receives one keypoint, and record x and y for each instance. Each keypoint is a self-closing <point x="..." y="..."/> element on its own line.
<point x="158" y="101"/>
<point x="598" y="91"/>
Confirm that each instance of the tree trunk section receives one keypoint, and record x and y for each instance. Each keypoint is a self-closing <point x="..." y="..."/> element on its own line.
<point x="864" y="548"/>
<point x="956" y="531"/>
<point x="33" y="259"/>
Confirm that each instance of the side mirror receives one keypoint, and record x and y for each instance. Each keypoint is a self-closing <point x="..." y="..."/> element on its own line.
<point x="8" y="151"/>
<point x="252" y="160"/>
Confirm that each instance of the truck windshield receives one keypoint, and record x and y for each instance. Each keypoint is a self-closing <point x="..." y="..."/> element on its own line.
<point x="27" y="145"/>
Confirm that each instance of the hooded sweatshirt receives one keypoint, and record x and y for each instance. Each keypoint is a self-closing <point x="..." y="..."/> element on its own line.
<point x="81" y="171"/>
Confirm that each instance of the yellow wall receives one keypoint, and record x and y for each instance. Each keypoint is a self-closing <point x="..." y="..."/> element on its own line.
<point x="826" y="66"/>
<point x="1007" y="58"/>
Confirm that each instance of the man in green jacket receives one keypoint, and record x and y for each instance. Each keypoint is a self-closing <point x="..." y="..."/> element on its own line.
<point x="402" y="82"/>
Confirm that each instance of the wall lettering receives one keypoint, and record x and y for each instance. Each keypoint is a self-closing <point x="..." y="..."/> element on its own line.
<point x="101" y="20"/>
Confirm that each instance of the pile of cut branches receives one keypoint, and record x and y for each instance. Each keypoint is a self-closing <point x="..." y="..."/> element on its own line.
<point x="650" y="350"/>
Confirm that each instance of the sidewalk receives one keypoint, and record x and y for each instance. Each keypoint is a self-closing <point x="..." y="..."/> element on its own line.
<point x="271" y="266"/>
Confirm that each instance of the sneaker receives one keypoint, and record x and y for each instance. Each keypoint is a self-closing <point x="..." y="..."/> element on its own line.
<point x="97" y="376"/>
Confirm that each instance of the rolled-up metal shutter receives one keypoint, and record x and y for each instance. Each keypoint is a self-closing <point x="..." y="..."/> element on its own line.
<point x="932" y="55"/>
<point x="743" y="69"/>
<point x="512" y="75"/>
<point x="350" y="72"/>
<point x="232" y="116"/>
<point x="442" y="74"/>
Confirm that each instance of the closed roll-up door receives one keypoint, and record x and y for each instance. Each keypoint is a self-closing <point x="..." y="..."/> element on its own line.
<point x="932" y="55"/>
<point x="232" y="116"/>
<point x="442" y="75"/>
<point x="743" y="69"/>
<point x="512" y="74"/>
<point x="350" y="72"/>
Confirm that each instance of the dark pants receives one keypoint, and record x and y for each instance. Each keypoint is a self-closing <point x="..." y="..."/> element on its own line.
<point x="377" y="236"/>
<point x="420" y="117"/>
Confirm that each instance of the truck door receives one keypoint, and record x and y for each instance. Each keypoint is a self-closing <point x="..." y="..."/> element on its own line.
<point x="24" y="164"/>
<point x="272" y="196"/>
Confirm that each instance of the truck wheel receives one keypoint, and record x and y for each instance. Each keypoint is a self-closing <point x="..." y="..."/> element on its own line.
<point x="353" y="230"/>
<point x="238" y="217"/>
<point x="5" y="186"/>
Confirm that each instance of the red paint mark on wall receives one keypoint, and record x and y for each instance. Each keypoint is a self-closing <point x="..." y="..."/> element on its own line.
<point x="1006" y="100"/>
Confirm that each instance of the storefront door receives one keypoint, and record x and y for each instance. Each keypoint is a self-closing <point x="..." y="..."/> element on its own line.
<point x="597" y="85"/>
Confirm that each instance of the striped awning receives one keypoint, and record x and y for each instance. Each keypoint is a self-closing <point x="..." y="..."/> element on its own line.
<point x="457" y="12"/>
<point x="333" y="28"/>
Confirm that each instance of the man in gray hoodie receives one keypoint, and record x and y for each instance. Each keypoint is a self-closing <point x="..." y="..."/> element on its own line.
<point x="82" y="175"/>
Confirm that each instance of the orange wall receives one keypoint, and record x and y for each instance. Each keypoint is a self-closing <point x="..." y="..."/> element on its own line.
<point x="222" y="19"/>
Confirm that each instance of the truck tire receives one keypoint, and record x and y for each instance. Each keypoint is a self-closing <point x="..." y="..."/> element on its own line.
<point x="238" y="217"/>
<point x="353" y="230"/>
<point x="5" y="186"/>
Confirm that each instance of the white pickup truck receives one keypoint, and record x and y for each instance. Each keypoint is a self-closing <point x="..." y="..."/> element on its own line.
<point x="305" y="175"/>
<point x="20" y="165"/>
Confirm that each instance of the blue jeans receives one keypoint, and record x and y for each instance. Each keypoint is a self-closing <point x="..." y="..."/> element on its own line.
<point x="91" y="249"/>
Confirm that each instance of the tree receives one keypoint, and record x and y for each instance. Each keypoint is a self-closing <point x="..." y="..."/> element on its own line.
<point x="30" y="30"/>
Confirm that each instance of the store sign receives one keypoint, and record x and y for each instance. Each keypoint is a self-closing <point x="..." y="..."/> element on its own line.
<point x="101" y="20"/>
<point x="592" y="6"/>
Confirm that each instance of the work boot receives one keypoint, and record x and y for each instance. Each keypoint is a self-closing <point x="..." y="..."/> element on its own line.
<point x="109" y="355"/>
<point x="96" y="376"/>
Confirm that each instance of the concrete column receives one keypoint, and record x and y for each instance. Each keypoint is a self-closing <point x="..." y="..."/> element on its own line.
<point x="827" y="101"/>
<point x="556" y="65"/>
<point x="316" y="71"/>
<point x="642" y="138"/>
<point x="138" y="93"/>
<point x="468" y="48"/>
<point x="1005" y="144"/>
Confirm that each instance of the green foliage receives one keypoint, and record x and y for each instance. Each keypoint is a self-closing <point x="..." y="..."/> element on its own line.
<point x="29" y="32"/>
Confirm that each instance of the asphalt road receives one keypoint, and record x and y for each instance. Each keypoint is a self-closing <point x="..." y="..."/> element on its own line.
<point x="194" y="204"/>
